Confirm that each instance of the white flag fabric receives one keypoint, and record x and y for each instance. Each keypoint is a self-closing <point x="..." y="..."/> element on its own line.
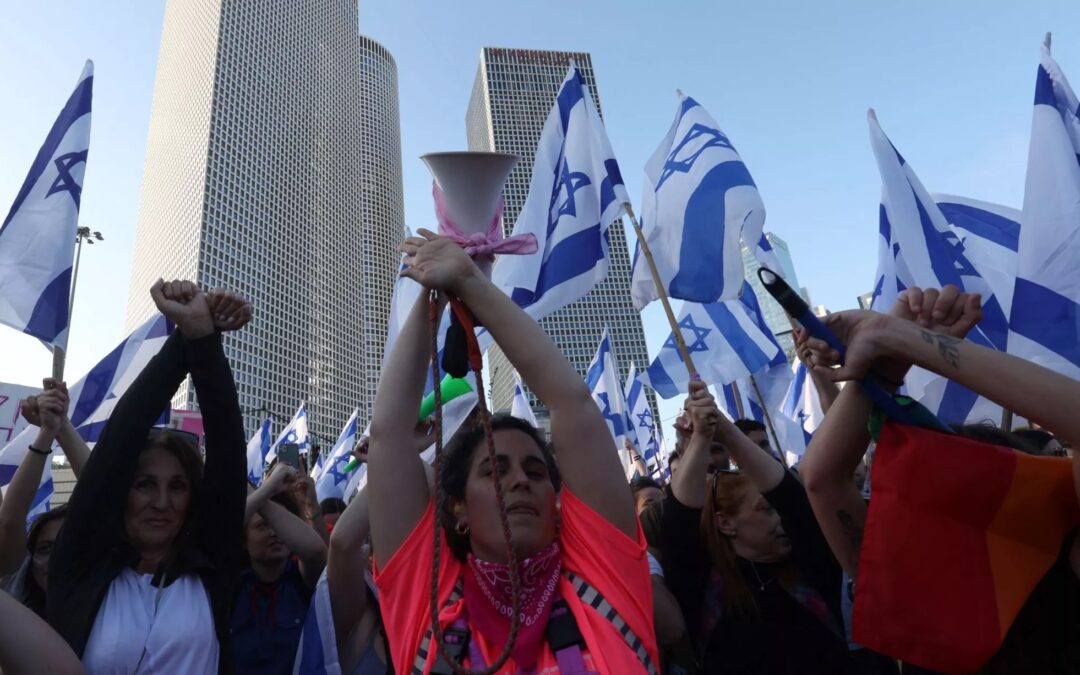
<point x="333" y="481"/>
<point x="730" y="337"/>
<point x="1045" y="320"/>
<point x="93" y="398"/>
<point x="603" y="380"/>
<point x="37" y="239"/>
<point x="257" y="449"/>
<point x="317" y="653"/>
<point x="698" y="205"/>
<point x="802" y="403"/>
<point x="520" y="407"/>
<point x="641" y="423"/>
<point x="575" y="195"/>
<point x="296" y="431"/>
<point x="919" y="247"/>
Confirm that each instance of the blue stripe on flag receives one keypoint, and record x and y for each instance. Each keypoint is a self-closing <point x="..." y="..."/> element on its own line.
<point x="569" y="97"/>
<point x="50" y="315"/>
<point x="700" y="276"/>
<point x="749" y="352"/>
<point x="576" y="255"/>
<point x="1047" y="318"/>
<point x="989" y="226"/>
<point x="1044" y="89"/>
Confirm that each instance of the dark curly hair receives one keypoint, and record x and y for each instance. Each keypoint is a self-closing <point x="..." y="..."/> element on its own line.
<point x="457" y="460"/>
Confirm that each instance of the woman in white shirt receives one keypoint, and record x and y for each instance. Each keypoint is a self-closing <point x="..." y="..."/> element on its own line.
<point x="143" y="571"/>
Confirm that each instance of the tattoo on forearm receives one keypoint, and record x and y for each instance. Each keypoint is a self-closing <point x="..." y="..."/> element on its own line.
<point x="946" y="346"/>
<point x="853" y="532"/>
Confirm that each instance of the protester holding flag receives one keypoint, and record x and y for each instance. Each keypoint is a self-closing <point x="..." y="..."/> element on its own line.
<point x="50" y="407"/>
<point x="286" y="558"/>
<point x="581" y="542"/>
<point x="1023" y="607"/>
<point x="756" y="582"/>
<point x="143" y="571"/>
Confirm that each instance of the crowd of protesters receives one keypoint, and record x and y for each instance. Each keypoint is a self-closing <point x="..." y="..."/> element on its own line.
<point x="530" y="554"/>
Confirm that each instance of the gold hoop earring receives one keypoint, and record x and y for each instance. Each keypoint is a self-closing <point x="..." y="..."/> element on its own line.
<point x="462" y="528"/>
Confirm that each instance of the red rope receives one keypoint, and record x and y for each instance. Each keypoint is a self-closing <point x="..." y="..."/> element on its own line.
<point x="476" y="362"/>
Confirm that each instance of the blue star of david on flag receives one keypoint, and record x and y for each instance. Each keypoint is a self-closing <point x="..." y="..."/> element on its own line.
<point x="700" y="334"/>
<point x="714" y="138"/>
<point x="335" y="469"/>
<point x="65" y="182"/>
<point x="570" y="182"/>
<point x="645" y="420"/>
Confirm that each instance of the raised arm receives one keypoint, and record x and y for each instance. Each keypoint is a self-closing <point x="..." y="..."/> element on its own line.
<point x="221" y="516"/>
<point x="396" y="473"/>
<point x="294" y="532"/>
<point x="688" y="484"/>
<point x="46" y="410"/>
<point x="842" y="439"/>
<point x="345" y="567"/>
<point x="587" y="457"/>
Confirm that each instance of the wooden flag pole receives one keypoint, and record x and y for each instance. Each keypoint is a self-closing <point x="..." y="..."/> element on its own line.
<point x="1006" y="419"/>
<point x="683" y="351"/>
<point x="768" y="421"/>
<point x="58" y="363"/>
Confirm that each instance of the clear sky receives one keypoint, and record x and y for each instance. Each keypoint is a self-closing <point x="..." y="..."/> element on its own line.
<point x="789" y="82"/>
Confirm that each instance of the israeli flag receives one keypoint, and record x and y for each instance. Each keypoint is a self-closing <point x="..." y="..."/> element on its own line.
<point x="802" y="402"/>
<point x="699" y="204"/>
<point x="37" y="239"/>
<point x="641" y="424"/>
<point x="919" y="247"/>
<point x="295" y="432"/>
<point x="520" y="407"/>
<point x="766" y="392"/>
<point x="257" y="449"/>
<point x="731" y="337"/>
<point x="575" y="195"/>
<point x="333" y="480"/>
<point x="93" y="399"/>
<point x="603" y="380"/>
<point x="1045" y="320"/>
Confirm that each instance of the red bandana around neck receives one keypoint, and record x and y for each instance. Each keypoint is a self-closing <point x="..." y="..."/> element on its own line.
<point x="489" y="601"/>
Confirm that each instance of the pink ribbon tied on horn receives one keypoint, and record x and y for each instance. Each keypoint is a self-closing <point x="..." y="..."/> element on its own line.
<point x="483" y="245"/>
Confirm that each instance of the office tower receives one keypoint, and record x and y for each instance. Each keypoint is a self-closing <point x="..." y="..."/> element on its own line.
<point x="255" y="181"/>
<point x="512" y="95"/>
<point x="775" y="316"/>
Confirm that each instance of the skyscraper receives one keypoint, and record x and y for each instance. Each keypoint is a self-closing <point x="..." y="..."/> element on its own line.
<point x="257" y="179"/>
<point x="775" y="316"/>
<point x="512" y="95"/>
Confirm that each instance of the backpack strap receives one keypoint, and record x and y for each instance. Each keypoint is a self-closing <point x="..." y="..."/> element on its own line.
<point x="422" y="651"/>
<point x="590" y="596"/>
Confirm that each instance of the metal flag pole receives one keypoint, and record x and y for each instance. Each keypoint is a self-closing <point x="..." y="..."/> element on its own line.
<point x="89" y="236"/>
<point x="679" y="341"/>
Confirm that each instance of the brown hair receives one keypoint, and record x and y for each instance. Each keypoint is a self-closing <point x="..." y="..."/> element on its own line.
<point x="725" y="495"/>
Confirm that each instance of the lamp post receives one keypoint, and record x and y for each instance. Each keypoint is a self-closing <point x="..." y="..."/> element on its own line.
<point x="89" y="236"/>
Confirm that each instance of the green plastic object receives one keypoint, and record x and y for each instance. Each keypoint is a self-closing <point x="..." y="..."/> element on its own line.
<point x="450" y="387"/>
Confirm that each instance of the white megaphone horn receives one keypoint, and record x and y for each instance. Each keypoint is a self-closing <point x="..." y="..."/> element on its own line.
<point x="471" y="184"/>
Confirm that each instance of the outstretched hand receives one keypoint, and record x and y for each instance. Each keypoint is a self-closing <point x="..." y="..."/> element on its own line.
<point x="437" y="262"/>
<point x="185" y="305"/>
<point x="948" y="311"/>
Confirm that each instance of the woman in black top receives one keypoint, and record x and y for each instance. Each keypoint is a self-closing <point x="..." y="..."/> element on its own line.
<point x="746" y="559"/>
<point x="202" y="541"/>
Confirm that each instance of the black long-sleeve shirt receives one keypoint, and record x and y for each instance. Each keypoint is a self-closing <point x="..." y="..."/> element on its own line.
<point x="90" y="550"/>
<point x="787" y="636"/>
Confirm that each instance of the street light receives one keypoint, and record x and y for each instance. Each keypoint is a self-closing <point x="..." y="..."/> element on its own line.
<point x="89" y="236"/>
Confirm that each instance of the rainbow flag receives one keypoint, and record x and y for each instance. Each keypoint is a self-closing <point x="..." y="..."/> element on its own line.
<point x="958" y="535"/>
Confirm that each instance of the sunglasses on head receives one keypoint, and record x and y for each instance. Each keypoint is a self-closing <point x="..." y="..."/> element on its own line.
<point x="190" y="437"/>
